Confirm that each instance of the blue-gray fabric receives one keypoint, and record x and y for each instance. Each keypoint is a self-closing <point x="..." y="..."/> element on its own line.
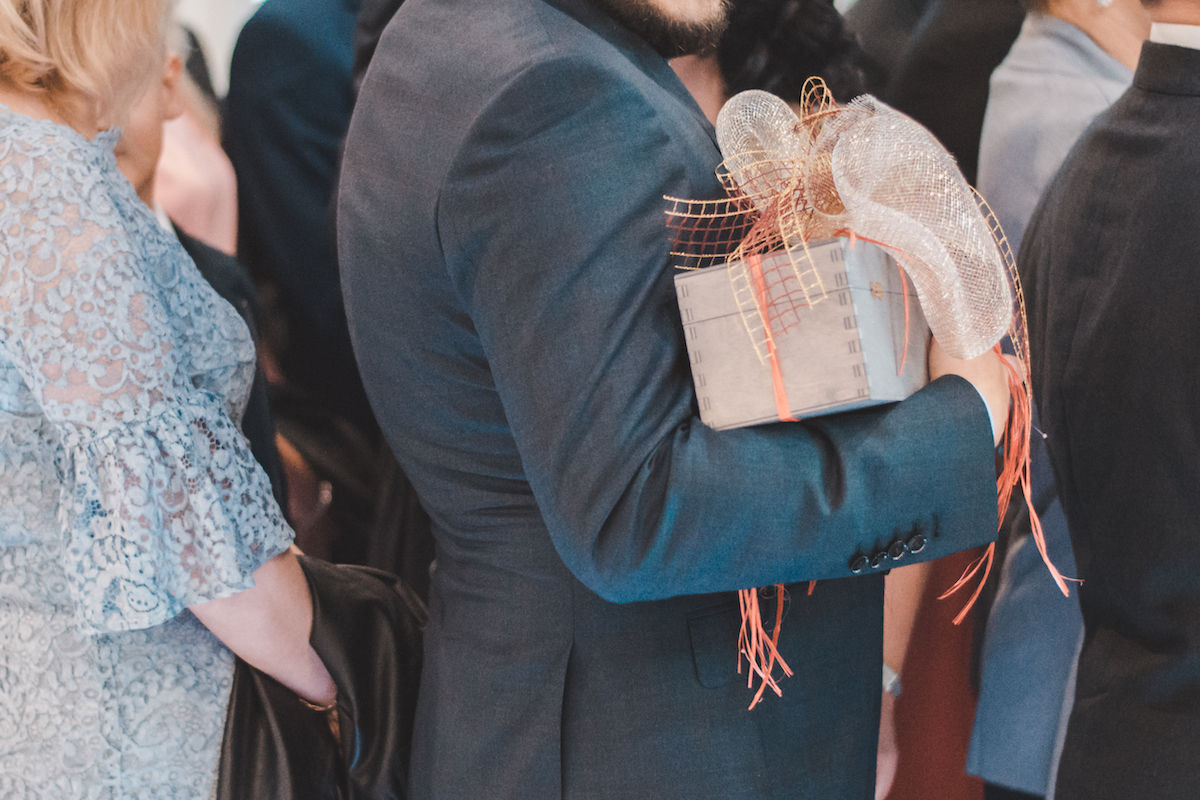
<point x="1109" y="270"/>
<point x="509" y="290"/>
<point x="1050" y="86"/>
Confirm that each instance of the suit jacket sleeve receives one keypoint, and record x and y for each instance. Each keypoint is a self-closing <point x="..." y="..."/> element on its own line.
<point x="551" y="220"/>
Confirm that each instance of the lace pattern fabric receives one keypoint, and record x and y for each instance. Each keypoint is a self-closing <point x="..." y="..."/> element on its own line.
<point x="126" y="490"/>
<point x="136" y="363"/>
<point x="30" y="464"/>
<point x="136" y="714"/>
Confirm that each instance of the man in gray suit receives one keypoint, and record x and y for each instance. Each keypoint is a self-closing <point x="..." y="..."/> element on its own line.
<point x="1109" y="266"/>
<point x="506" y="269"/>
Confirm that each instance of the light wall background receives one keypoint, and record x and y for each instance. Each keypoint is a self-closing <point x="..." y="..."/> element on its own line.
<point x="216" y="23"/>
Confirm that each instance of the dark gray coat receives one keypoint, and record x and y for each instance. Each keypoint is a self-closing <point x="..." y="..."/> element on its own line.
<point x="1112" y="279"/>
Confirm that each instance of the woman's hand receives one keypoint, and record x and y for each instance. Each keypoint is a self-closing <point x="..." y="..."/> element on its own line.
<point x="268" y="627"/>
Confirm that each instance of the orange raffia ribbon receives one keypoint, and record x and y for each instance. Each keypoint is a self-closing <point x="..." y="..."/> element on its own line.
<point x="759" y="648"/>
<point x="1015" y="470"/>
<point x="782" y="407"/>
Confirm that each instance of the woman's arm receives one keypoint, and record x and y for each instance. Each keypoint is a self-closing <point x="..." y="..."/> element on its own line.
<point x="902" y="599"/>
<point x="268" y="627"/>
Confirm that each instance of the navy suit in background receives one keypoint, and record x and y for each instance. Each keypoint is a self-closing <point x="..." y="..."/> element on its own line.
<point x="506" y="270"/>
<point x="1109" y="266"/>
<point x="289" y="102"/>
<point x="290" y="97"/>
<point x="373" y="17"/>
<point x="883" y="27"/>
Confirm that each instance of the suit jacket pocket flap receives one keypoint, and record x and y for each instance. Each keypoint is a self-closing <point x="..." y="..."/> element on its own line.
<point x="714" y="634"/>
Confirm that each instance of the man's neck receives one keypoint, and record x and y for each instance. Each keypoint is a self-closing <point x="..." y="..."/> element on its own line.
<point x="1118" y="29"/>
<point x="1176" y="12"/>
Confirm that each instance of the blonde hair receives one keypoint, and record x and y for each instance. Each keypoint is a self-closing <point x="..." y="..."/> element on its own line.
<point x="89" y="59"/>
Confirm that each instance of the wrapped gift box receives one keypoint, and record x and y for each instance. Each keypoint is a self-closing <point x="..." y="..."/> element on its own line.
<point x="839" y="343"/>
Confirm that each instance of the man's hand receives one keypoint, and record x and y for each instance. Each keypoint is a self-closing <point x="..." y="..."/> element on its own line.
<point x="986" y="373"/>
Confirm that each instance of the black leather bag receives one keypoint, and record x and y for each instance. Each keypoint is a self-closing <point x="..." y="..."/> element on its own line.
<point x="367" y="627"/>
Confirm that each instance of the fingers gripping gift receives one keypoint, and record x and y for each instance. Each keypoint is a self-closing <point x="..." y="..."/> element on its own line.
<point x="807" y="290"/>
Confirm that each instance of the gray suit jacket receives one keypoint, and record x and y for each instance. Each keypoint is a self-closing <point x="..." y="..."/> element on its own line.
<point x="505" y="263"/>
<point x="1109" y="265"/>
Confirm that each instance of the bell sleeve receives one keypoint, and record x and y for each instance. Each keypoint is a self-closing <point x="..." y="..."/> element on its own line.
<point x="163" y="505"/>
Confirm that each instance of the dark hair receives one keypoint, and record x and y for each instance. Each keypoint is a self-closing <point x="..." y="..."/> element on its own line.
<point x="776" y="45"/>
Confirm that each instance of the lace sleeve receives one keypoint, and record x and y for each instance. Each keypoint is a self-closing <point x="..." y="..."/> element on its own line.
<point x="166" y="505"/>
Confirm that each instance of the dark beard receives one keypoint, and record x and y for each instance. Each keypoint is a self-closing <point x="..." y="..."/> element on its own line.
<point x="670" y="38"/>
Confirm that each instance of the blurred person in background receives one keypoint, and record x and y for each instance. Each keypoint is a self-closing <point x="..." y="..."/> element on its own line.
<point x="777" y="45"/>
<point x="882" y="27"/>
<point x="941" y="79"/>
<point x="195" y="181"/>
<point x="289" y="102"/>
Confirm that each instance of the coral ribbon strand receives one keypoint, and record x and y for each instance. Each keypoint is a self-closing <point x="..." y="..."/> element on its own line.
<point x="984" y="561"/>
<point x="761" y="651"/>
<point x="782" y="407"/>
<point x="1015" y="472"/>
<point x="904" y="293"/>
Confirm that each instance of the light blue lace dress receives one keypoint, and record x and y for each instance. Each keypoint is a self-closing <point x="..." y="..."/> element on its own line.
<point x="126" y="491"/>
